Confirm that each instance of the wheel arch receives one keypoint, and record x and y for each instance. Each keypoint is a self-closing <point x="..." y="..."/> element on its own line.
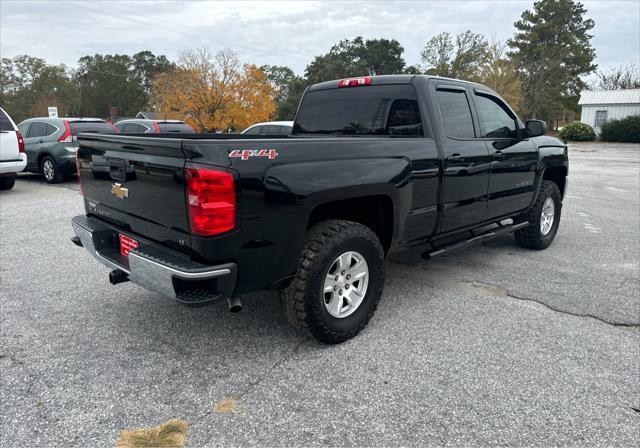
<point x="373" y="211"/>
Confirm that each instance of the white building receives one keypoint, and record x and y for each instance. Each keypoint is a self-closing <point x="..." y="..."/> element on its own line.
<point x="600" y="106"/>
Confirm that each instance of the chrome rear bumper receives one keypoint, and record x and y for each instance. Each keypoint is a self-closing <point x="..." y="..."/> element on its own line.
<point x="155" y="267"/>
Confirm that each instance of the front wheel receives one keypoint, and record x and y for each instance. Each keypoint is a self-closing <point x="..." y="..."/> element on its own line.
<point x="543" y="217"/>
<point x="339" y="281"/>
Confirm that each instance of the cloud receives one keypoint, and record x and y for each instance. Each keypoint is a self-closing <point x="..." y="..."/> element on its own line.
<point x="283" y="33"/>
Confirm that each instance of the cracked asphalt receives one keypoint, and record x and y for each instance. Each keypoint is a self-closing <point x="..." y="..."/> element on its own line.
<point x="494" y="345"/>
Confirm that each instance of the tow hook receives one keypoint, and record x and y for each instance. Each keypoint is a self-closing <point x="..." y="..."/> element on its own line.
<point x="235" y="305"/>
<point x="117" y="276"/>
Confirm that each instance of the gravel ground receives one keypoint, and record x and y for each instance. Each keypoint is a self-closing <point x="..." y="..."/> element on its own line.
<point x="493" y="345"/>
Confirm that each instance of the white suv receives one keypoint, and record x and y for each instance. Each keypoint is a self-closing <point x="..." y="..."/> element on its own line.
<point x="12" y="156"/>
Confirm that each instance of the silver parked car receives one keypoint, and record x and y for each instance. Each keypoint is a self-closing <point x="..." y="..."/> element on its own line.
<point x="141" y="126"/>
<point x="270" y="128"/>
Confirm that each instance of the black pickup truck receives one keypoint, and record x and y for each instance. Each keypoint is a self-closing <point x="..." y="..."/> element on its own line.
<point x="374" y="165"/>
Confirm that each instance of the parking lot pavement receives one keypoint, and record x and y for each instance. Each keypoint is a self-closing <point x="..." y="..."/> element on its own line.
<point x="492" y="345"/>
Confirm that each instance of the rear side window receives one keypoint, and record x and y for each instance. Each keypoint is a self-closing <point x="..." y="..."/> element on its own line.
<point x="97" y="127"/>
<point x="370" y="110"/>
<point x="270" y="129"/>
<point x="38" y="129"/>
<point x="176" y="127"/>
<point x="456" y="113"/>
<point x="5" y="123"/>
<point x="498" y="121"/>
<point x="50" y="129"/>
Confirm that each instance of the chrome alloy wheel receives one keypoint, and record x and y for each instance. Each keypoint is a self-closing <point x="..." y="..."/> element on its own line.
<point x="345" y="285"/>
<point x="48" y="170"/>
<point x="547" y="216"/>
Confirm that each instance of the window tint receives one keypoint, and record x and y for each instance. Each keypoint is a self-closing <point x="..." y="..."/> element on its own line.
<point x="38" y="129"/>
<point x="254" y="130"/>
<point x="98" y="127"/>
<point x="24" y="129"/>
<point x="285" y="130"/>
<point x="5" y="123"/>
<point x="132" y="128"/>
<point x="601" y="117"/>
<point x="456" y="114"/>
<point x="176" y="127"/>
<point x="497" y="119"/>
<point x="370" y="110"/>
<point x="51" y="129"/>
<point x="270" y="130"/>
<point x="120" y="127"/>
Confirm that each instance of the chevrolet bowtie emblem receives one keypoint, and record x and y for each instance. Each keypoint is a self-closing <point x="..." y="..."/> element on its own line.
<point x="119" y="191"/>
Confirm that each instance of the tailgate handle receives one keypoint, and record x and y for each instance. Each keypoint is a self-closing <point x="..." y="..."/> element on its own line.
<point x="118" y="169"/>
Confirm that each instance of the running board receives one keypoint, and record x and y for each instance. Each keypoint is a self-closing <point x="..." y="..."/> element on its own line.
<point x="436" y="251"/>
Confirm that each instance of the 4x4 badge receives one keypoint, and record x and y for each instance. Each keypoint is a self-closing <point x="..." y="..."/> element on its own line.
<point x="120" y="191"/>
<point x="244" y="154"/>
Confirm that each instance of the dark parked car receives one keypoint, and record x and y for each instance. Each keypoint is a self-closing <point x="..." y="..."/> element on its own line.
<point x="140" y="126"/>
<point x="50" y="143"/>
<point x="375" y="165"/>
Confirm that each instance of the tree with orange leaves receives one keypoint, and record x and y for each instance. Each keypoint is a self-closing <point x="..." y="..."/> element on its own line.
<point x="214" y="92"/>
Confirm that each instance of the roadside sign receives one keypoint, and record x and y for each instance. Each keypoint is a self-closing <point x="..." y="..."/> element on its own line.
<point x="53" y="112"/>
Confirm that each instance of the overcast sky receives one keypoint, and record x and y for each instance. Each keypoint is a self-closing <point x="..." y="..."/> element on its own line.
<point x="280" y="33"/>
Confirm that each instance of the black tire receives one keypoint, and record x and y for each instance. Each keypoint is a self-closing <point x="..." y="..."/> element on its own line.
<point x="7" y="182"/>
<point x="532" y="236"/>
<point x="50" y="170"/>
<point x="303" y="303"/>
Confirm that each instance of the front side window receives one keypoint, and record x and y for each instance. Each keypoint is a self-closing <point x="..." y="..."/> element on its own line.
<point x="384" y="110"/>
<point x="601" y="117"/>
<point x="456" y="113"/>
<point x="497" y="120"/>
<point x="38" y="129"/>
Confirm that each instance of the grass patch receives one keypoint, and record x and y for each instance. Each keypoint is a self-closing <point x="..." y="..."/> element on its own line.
<point x="225" y="406"/>
<point x="169" y="434"/>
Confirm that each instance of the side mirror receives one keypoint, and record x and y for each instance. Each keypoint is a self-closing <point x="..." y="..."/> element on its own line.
<point x="536" y="127"/>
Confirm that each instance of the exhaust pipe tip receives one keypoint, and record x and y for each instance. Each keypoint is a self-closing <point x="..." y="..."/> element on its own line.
<point x="235" y="306"/>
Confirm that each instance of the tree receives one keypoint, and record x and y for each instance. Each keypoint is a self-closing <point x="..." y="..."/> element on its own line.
<point x="552" y="50"/>
<point x="622" y="77"/>
<point x="212" y="92"/>
<point x="119" y="81"/>
<point x="501" y="74"/>
<point x="288" y="89"/>
<point x="28" y="85"/>
<point x="462" y="59"/>
<point x="357" y="57"/>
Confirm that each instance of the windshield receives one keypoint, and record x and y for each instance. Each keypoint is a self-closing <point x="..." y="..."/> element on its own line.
<point x="371" y="110"/>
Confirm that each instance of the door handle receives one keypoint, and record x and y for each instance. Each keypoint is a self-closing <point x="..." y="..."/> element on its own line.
<point x="455" y="158"/>
<point x="497" y="155"/>
<point x="40" y="141"/>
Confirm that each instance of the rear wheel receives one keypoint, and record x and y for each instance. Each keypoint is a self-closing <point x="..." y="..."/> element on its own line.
<point x="339" y="281"/>
<point x="543" y="217"/>
<point x="50" y="170"/>
<point x="7" y="182"/>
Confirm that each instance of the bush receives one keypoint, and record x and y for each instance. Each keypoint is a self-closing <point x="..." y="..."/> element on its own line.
<point x="623" y="130"/>
<point x="577" y="132"/>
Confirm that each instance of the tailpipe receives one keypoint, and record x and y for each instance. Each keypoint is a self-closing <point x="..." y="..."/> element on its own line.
<point x="235" y="306"/>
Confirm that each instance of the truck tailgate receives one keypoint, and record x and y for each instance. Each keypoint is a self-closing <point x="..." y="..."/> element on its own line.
<point x="137" y="184"/>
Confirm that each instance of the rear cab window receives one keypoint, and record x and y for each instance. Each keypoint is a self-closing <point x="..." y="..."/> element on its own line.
<point x="376" y="110"/>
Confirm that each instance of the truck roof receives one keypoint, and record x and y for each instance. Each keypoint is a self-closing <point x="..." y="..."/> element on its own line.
<point x="388" y="79"/>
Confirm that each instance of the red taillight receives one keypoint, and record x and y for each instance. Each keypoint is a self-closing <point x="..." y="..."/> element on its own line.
<point x="67" y="137"/>
<point x="156" y="127"/>
<point x="211" y="197"/>
<point x="355" y="82"/>
<point x="20" y="141"/>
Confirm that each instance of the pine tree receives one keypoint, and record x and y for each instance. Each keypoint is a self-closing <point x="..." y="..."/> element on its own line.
<point x="552" y="49"/>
